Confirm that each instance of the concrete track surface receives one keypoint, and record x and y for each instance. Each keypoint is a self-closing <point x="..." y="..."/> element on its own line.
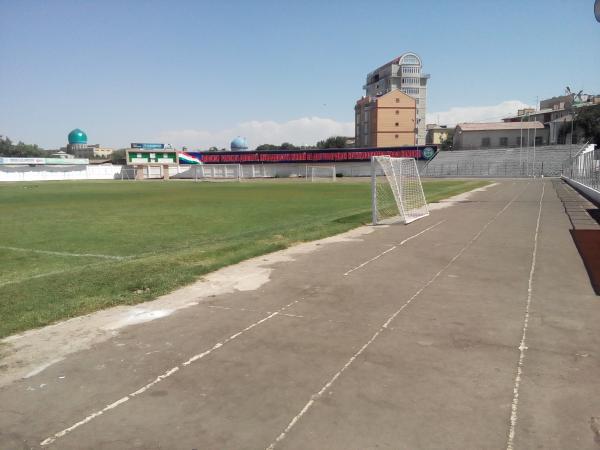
<point x="474" y="328"/>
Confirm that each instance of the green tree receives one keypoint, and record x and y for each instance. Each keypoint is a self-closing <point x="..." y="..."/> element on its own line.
<point x="287" y="146"/>
<point x="447" y="143"/>
<point x="22" y="150"/>
<point x="267" y="147"/>
<point x="333" y="142"/>
<point x="118" y="156"/>
<point x="586" y="126"/>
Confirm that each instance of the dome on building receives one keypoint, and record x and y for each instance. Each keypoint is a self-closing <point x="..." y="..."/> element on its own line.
<point x="239" y="143"/>
<point x="77" y="136"/>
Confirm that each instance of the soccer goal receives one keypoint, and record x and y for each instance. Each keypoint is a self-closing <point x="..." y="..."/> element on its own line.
<point x="127" y="173"/>
<point x="320" y="173"/>
<point x="208" y="172"/>
<point x="396" y="190"/>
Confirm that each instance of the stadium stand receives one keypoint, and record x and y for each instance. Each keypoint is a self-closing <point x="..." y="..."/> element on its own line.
<point x="499" y="162"/>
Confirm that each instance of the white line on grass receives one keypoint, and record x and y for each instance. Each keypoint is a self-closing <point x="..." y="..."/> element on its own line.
<point x="523" y="345"/>
<point x="383" y="327"/>
<point x="55" y="272"/>
<point x="48" y="252"/>
<point x="162" y="377"/>
<point x="393" y="247"/>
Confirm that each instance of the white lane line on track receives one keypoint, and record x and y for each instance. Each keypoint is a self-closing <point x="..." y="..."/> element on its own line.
<point x="162" y="377"/>
<point x="48" y="252"/>
<point x="228" y="308"/>
<point x="393" y="247"/>
<point x="523" y="344"/>
<point x="383" y="327"/>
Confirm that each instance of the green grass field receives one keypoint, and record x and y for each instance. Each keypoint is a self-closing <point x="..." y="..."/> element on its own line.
<point x="69" y="248"/>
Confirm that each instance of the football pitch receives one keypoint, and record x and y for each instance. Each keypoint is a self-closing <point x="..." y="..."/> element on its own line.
<point x="70" y="248"/>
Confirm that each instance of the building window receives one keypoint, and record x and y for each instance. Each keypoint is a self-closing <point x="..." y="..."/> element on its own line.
<point x="485" y="142"/>
<point x="397" y="112"/>
<point x="518" y="140"/>
<point x="539" y="140"/>
<point x="396" y="136"/>
<point x="397" y="100"/>
<point x="410" y="59"/>
<point x="396" y="123"/>
<point x="503" y="142"/>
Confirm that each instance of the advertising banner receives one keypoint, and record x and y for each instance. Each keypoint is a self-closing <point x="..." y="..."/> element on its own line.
<point x="147" y="146"/>
<point x="424" y="152"/>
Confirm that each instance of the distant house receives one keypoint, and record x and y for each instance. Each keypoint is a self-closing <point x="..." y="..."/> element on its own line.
<point x="470" y="136"/>
<point x="436" y="134"/>
<point x="62" y="155"/>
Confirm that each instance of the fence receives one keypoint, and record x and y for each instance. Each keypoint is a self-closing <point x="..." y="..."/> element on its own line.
<point x="583" y="171"/>
<point x="484" y="169"/>
<point x="501" y="162"/>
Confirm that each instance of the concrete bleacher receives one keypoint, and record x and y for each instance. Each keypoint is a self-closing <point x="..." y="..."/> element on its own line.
<point x="499" y="162"/>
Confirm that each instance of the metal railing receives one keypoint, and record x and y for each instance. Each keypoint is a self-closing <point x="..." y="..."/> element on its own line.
<point x="584" y="167"/>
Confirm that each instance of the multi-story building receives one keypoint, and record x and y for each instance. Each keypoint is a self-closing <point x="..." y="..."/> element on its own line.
<point x="405" y="74"/>
<point x="556" y="113"/>
<point x="387" y="120"/>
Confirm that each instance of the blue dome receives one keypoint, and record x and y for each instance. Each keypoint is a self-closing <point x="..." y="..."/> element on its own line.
<point x="239" y="143"/>
<point x="77" y="136"/>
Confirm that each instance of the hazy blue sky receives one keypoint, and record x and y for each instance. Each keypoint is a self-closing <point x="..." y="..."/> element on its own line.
<point x="198" y="73"/>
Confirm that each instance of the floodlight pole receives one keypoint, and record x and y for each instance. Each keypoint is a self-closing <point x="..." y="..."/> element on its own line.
<point x="534" y="135"/>
<point x="521" y="145"/>
<point x="528" y="120"/>
<point x="571" y="140"/>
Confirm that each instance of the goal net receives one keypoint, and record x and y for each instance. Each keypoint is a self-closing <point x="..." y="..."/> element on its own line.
<point x="127" y="173"/>
<point x="320" y="173"/>
<point x="207" y="172"/>
<point x="396" y="190"/>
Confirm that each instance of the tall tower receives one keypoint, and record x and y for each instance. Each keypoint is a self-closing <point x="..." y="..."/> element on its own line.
<point x="403" y="73"/>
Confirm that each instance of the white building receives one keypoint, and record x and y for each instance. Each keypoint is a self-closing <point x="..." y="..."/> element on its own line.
<point x="403" y="73"/>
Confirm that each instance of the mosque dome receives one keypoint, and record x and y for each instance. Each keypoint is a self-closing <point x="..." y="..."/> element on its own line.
<point x="77" y="136"/>
<point x="239" y="143"/>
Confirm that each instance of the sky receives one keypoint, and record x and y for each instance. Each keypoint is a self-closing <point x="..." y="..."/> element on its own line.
<point x="198" y="73"/>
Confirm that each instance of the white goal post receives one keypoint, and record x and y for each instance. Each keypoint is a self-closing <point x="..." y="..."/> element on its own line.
<point x="206" y="172"/>
<point x="396" y="190"/>
<point x="316" y="173"/>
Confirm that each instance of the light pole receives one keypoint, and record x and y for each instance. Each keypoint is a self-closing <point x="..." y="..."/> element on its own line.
<point x="534" y="135"/>
<point x="528" y="139"/>
<point x="521" y="145"/>
<point x="571" y="140"/>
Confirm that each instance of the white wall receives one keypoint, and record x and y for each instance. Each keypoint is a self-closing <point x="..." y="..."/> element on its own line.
<point x="55" y="173"/>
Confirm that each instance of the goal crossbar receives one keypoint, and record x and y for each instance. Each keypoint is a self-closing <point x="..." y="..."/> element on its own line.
<point x="313" y="173"/>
